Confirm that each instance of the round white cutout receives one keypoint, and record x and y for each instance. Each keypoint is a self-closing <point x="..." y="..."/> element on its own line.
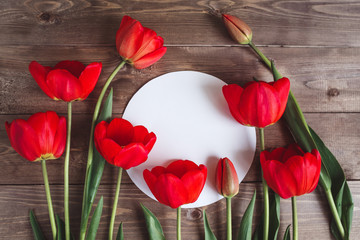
<point x="190" y="117"/>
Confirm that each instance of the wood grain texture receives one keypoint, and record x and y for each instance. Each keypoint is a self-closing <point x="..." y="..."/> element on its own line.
<point x="322" y="79"/>
<point x="15" y="202"/>
<point x="180" y="22"/>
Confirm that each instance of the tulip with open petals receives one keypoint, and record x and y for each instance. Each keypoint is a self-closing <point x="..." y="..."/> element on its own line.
<point x="291" y="172"/>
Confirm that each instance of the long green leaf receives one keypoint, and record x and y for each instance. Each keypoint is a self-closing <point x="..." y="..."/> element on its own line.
<point x="287" y="233"/>
<point x="95" y="220"/>
<point x="120" y="233"/>
<point x="38" y="235"/>
<point x="60" y="225"/>
<point x="153" y="225"/>
<point x="209" y="234"/>
<point x="245" y="229"/>
<point x="97" y="167"/>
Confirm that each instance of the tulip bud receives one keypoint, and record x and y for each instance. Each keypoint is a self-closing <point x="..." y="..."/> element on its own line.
<point x="238" y="29"/>
<point x="227" y="182"/>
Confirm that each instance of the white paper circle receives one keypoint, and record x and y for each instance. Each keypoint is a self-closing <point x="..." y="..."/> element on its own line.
<point x="190" y="117"/>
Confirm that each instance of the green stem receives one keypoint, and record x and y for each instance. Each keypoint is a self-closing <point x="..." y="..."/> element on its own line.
<point x="178" y="221"/>
<point x="113" y="214"/>
<point x="84" y="220"/>
<point x="335" y="213"/>
<point x="265" y="191"/>
<point x="66" y="175"/>
<point x="48" y="198"/>
<point x="228" y="218"/>
<point x="294" y="218"/>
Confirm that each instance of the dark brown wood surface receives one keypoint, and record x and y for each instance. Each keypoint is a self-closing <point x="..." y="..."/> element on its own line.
<point x="314" y="43"/>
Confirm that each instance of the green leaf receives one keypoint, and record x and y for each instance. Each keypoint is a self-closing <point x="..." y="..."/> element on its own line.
<point x="153" y="225"/>
<point x="95" y="220"/>
<point x="287" y="233"/>
<point x="245" y="230"/>
<point x="38" y="235"/>
<point x="209" y="235"/>
<point x="97" y="167"/>
<point x="340" y="189"/>
<point x="60" y="225"/>
<point x="120" y="234"/>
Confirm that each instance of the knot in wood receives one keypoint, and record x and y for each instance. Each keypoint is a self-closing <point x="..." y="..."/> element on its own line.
<point x="48" y="18"/>
<point x="194" y="214"/>
<point x="333" y="92"/>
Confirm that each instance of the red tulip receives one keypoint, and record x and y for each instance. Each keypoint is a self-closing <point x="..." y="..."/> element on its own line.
<point x="122" y="144"/>
<point x="291" y="172"/>
<point x="238" y="29"/>
<point x="258" y="104"/>
<point x="41" y="137"/>
<point x="138" y="45"/>
<point x="179" y="183"/>
<point x="68" y="80"/>
<point x="227" y="182"/>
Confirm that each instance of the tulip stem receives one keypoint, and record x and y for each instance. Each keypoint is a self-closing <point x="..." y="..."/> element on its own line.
<point x="66" y="175"/>
<point x="48" y="198"/>
<point x="228" y="218"/>
<point x="294" y="218"/>
<point x="335" y="213"/>
<point x="178" y="228"/>
<point x="84" y="220"/>
<point x="265" y="190"/>
<point x="113" y="214"/>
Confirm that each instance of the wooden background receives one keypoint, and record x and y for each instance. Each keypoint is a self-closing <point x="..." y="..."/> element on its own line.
<point x="316" y="43"/>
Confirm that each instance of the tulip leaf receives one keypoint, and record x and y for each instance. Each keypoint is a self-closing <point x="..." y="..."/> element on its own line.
<point x="95" y="220"/>
<point x="60" y="225"/>
<point x="153" y="225"/>
<point x="340" y="189"/>
<point x="245" y="230"/>
<point x="120" y="234"/>
<point x="38" y="235"/>
<point x="94" y="175"/>
<point x="287" y="233"/>
<point x="209" y="235"/>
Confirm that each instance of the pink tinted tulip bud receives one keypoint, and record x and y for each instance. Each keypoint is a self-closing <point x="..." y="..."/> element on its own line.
<point x="227" y="182"/>
<point x="238" y="29"/>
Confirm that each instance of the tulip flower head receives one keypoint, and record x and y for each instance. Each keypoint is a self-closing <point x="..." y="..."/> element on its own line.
<point x="259" y="103"/>
<point x="227" y="182"/>
<point x="238" y="29"/>
<point x="291" y="172"/>
<point x="138" y="45"/>
<point x="179" y="183"/>
<point x="41" y="137"/>
<point x="68" y="80"/>
<point x="122" y="144"/>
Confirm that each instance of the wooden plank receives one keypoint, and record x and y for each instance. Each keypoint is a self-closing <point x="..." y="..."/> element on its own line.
<point x="186" y="22"/>
<point x="322" y="79"/>
<point x="343" y="140"/>
<point x="15" y="202"/>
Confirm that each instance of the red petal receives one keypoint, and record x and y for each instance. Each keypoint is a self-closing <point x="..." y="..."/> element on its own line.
<point x="150" y="179"/>
<point x="100" y="134"/>
<point x="121" y="131"/>
<point x="131" y="156"/>
<point x="108" y="150"/>
<point x="129" y="39"/>
<point x="150" y="59"/>
<point x="180" y="167"/>
<point x="140" y="132"/>
<point x="60" y="138"/>
<point x="64" y="85"/>
<point x="292" y="150"/>
<point x="232" y="94"/>
<point x="313" y="167"/>
<point x="126" y="24"/>
<point x="150" y="43"/>
<point x="89" y="78"/>
<point x="157" y="171"/>
<point x="283" y="87"/>
<point x="194" y="182"/>
<point x="298" y="169"/>
<point x="74" y="67"/>
<point x="39" y="73"/>
<point x="149" y="141"/>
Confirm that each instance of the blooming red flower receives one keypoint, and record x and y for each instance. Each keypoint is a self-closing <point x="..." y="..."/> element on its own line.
<point x="179" y="183"/>
<point x="68" y="80"/>
<point x="138" y="45"/>
<point x="227" y="181"/>
<point x="122" y="144"/>
<point x="41" y="137"/>
<point x="237" y="29"/>
<point x="291" y="172"/>
<point x="259" y="103"/>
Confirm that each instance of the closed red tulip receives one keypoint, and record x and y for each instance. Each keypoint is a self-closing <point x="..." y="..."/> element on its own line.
<point x="291" y="172"/>
<point x="227" y="181"/>
<point x="41" y="137"/>
<point x="68" y="80"/>
<point x="259" y="103"/>
<point x="138" y="45"/>
<point x="122" y="144"/>
<point x="179" y="183"/>
<point x="237" y="29"/>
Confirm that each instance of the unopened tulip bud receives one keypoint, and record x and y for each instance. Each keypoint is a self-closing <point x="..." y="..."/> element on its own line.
<point x="227" y="182"/>
<point x="238" y="29"/>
